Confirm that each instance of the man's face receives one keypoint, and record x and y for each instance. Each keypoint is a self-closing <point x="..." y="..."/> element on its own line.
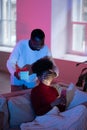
<point x="37" y="45"/>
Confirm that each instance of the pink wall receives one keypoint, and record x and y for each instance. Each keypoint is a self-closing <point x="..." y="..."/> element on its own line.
<point x="37" y="14"/>
<point x="68" y="71"/>
<point x="33" y="14"/>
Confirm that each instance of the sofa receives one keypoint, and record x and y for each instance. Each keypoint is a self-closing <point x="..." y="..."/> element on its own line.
<point x="14" y="109"/>
<point x="16" y="112"/>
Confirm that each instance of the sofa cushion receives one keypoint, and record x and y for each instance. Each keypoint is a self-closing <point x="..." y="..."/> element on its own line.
<point x="20" y="110"/>
<point x="79" y="98"/>
<point x="4" y="109"/>
<point x="70" y="93"/>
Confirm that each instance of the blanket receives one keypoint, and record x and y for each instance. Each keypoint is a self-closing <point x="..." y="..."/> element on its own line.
<point x="73" y="119"/>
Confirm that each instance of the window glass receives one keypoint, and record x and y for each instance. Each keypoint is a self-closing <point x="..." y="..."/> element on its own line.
<point x="79" y="10"/>
<point x="79" y="39"/>
<point x="79" y="26"/>
<point x="8" y="22"/>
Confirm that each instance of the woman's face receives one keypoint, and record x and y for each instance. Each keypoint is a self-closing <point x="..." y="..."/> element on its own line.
<point x="48" y="78"/>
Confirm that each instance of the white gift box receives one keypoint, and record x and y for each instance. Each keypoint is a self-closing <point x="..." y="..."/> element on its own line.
<point x="24" y="75"/>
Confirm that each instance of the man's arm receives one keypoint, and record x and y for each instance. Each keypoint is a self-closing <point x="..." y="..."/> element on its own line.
<point x="13" y="59"/>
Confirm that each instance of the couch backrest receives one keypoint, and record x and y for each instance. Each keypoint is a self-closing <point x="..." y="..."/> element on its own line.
<point x="17" y="108"/>
<point x="16" y="93"/>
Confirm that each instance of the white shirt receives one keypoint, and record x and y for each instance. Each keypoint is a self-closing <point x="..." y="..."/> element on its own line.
<point x="22" y="55"/>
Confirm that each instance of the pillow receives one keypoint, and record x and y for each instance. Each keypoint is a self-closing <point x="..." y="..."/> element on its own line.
<point x="54" y="111"/>
<point x="20" y="110"/>
<point x="70" y="93"/>
<point x="3" y="108"/>
<point x="79" y="98"/>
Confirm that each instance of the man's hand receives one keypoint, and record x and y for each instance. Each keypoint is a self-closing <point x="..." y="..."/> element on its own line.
<point x="18" y="70"/>
<point x="28" y="67"/>
<point x="16" y="74"/>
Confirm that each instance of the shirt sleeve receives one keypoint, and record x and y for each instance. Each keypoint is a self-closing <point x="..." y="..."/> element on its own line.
<point x="13" y="58"/>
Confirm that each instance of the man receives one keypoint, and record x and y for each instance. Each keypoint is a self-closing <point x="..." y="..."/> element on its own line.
<point x="25" y="53"/>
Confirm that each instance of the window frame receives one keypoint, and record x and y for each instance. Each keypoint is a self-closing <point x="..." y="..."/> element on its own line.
<point x="70" y="34"/>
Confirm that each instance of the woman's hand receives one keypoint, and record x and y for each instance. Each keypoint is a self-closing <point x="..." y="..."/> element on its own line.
<point x="60" y="100"/>
<point x="56" y="102"/>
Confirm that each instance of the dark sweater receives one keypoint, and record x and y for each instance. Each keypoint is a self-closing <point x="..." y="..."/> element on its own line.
<point x="41" y="97"/>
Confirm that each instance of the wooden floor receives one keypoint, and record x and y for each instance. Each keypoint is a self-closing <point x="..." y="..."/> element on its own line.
<point x="4" y="83"/>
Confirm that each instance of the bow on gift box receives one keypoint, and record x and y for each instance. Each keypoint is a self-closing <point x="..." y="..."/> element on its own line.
<point x="18" y="70"/>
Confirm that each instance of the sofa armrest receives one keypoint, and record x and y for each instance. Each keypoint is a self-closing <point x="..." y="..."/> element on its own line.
<point x="1" y="120"/>
<point x="84" y="103"/>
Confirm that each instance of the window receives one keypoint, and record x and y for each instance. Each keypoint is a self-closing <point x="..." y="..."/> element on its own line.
<point x="79" y="27"/>
<point x="69" y="30"/>
<point x="7" y="23"/>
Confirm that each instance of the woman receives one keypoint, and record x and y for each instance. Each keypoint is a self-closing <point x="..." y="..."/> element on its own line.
<point x="44" y="97"/>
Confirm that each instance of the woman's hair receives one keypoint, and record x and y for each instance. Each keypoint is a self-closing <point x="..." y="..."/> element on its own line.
<point x="37" y="35"/>
<point x="46" y="75"/>
<point x="41" y="66"/>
